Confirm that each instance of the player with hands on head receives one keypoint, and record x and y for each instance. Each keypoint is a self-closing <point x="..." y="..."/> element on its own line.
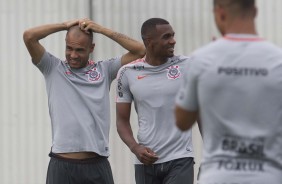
<point x="78" y="99"/>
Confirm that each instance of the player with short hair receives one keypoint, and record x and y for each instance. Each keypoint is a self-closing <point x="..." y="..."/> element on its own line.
<point x="235" y="84"/>
<point x="164" y="153"/>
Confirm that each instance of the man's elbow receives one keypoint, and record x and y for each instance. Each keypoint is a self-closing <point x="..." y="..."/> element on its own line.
<point x="141" y="51"/>
<point x="118" y="127"/>
<point x="27" y="36"/>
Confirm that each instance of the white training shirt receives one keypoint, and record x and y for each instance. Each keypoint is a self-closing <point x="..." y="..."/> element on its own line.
<point x="236" y="85"/>
<point x="153" y="90"/>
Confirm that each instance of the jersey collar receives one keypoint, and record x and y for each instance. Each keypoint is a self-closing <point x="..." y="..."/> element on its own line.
<point x="242" y="37"/>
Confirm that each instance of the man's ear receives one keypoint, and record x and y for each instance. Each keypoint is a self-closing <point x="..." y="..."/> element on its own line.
<point x="92" y="47"/>
<point x="220" y="13"/>
<point x="147" y="41"/>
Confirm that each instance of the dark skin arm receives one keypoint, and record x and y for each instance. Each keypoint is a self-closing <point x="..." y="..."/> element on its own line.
<point x="145" y="155"/>
<point x="185" y="119"/>
<point x="33" y="35"/>
<point x="135" y="49"/>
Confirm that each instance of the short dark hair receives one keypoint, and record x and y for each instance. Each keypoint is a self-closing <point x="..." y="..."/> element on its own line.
<point x="239" y="5"/>
<point x="150" y="25"/>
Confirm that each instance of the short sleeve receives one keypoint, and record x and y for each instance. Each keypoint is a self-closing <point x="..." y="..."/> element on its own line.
<point x="123" y="93"/>
<point x="47" y="63"/>
<point x="187" y="96"/>
<point x="113" y="65"/>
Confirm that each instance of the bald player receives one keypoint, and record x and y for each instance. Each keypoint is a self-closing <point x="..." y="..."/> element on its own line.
<point x="235" y="84"/>
<point x="78" y="96"/>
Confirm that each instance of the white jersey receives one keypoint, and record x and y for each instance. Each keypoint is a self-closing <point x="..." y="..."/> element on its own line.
<point x="153" y="90"/>
<point x="236" y="85"/>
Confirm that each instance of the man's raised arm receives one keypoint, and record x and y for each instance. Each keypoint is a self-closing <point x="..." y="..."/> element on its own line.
<point x="33" y="35"/>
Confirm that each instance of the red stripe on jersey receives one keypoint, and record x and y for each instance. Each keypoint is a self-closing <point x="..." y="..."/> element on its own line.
<point x="242" y="39"/>
<point x="141" y="60"/>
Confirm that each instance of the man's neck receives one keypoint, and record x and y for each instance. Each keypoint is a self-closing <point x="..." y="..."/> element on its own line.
<point x="241" y="27"/>
<point x="155" y="60"/>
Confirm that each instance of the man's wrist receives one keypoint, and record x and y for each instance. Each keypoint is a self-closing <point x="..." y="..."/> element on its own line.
<point x="65" y="26"/>
<point x="132" y="148"/>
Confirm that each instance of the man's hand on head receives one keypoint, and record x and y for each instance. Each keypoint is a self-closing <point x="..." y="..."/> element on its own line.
<point x="71" y="23"/>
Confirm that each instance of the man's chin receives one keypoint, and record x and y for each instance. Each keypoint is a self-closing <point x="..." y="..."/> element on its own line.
<point x="74" y="66"/>
<point x="170" y="55"/>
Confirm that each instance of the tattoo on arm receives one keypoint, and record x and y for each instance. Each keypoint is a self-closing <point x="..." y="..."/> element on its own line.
<point x="122" y="36"/>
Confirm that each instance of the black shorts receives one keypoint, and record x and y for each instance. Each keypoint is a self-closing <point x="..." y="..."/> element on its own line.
<point x="179" y="171"/>
<point x="95" y="170"/>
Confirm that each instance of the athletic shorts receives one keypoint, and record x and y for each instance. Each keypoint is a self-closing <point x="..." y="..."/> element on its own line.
<point x="95" y="170"/>
<point x="179" y="171"/>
